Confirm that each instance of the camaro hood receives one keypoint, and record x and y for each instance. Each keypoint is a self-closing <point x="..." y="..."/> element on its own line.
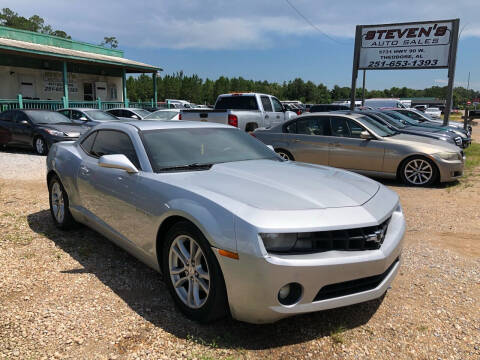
<point x="275" y="185"/>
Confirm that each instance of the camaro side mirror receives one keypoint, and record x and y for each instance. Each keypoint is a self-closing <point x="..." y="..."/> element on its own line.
<point x="365" y="135"/>
<point x="118" y="161"/>
<point x="24" y="122"/>
<point x="83" y="118"/>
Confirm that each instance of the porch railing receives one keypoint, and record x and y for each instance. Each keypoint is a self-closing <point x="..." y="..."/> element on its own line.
<point x="21" y="103"/>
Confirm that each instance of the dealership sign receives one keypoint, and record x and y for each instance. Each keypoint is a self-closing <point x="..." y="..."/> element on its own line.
<point x="406" y="46"/>
<point x="414" y="45"/>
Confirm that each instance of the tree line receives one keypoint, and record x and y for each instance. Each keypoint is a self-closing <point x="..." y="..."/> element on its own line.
<point x="199" y="91"/>
<point x="36" y="23"/>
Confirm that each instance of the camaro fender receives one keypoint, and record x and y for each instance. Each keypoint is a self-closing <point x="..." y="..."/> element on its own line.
<point x="216" y="223"/>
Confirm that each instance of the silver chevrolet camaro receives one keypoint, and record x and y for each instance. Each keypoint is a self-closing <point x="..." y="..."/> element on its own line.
<point x="230" y="224"/>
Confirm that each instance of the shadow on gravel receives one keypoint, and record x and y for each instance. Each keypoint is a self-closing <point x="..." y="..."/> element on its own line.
<point x="20" y="150"/>
<point x="144" y="292"/>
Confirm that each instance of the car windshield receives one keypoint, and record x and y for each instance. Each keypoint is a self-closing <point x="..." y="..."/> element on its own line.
<point x="421" y="115"/>
<point x="397" y="116"/>
<point x="47" y="117"/>
<point x="141" y="112"/>
<point x="162" y="115"/>
<point x="186" y="147"/>
<point x="391" y="120"/>
<point x="100" y="115"/>
<point x="376" y="127"/>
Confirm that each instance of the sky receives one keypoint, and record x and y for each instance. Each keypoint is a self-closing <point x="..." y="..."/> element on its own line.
<point x="260" y="39"/>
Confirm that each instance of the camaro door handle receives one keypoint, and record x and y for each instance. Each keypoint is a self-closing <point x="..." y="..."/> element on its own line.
<point x="84" y="170"/>
<point x="266" y="116"/>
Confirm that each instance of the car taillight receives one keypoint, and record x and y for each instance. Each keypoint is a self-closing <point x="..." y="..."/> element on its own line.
<point x="299" y="112"/>
<point x="179" y="116"/>
<point x="233" y="120"/>
<point x="253" y="134"/>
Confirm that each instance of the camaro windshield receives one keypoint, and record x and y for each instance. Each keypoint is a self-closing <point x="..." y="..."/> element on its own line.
<point x="185" y="147"/>
<point x="47" y="117"/>
<point x="162" y="115"/>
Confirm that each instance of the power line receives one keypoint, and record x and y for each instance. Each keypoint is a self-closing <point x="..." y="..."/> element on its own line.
<point x="313" y="25"/>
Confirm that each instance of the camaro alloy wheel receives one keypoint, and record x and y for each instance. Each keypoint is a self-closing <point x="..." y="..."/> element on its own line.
<point x="419" y="172"/>
<point x="59" y="203"/>
<point x="189" y="271"/>
<point x="40" y="146"/>
<point x="192" y="273"/>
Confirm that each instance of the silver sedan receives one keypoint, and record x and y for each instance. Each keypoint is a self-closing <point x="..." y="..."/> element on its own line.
<point x="358" y="143"/>
<point x="230" y="224"/>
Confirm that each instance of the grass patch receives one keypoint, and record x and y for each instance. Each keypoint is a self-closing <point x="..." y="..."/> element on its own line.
<point x="337" y="335"/>
<point x="473" y="156"/>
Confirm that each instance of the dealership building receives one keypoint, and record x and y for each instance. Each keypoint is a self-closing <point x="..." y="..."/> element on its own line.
<point x="48" y="72"/>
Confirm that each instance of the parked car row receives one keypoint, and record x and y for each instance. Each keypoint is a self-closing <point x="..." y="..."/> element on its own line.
<point x="387" y="142"/>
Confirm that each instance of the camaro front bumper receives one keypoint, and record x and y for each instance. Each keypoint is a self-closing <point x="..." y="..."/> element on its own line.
<point x="253" y="283"/>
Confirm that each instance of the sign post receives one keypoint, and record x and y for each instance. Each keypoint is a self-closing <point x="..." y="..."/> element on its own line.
<point x="416" y="45"/>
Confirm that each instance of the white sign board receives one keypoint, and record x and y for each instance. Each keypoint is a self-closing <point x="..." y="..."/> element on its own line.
<point x="406" y="46"/>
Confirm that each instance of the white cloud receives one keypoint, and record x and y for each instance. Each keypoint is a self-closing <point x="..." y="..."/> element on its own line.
<point x="233" y="24"/>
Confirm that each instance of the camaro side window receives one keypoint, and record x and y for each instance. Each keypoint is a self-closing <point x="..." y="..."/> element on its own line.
<point x="111" y="142"/>
<point x="88" y="142"/>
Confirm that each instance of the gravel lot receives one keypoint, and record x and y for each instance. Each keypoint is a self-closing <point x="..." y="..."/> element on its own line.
<point x="75" y="295"/>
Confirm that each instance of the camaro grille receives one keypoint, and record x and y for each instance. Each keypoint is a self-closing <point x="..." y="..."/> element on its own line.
<point x="365" y="238"/>
<point x="353" y="286"/>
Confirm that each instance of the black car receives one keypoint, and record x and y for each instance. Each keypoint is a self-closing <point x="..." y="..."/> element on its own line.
<point x="327" y="107"/>
<point x="37" y="129"/>
<point x="396" y="125"/>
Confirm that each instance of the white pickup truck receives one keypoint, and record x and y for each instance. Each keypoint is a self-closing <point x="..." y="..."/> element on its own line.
<point x="247" y="111"/>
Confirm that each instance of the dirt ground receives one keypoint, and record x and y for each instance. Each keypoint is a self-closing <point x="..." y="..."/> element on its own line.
<point x="76" y="295"/>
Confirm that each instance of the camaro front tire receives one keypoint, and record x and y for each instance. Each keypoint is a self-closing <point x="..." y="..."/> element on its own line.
<point x="192" y="274"/>
<point x="59" y="205"/>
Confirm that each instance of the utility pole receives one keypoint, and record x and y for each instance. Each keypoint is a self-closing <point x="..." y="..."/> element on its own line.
<point x="363" y="88"/>
<point x="468" y="82"/>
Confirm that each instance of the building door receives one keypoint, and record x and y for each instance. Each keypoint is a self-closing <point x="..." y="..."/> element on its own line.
<point x="88" y="94"/>
<point x="27" y="86"/>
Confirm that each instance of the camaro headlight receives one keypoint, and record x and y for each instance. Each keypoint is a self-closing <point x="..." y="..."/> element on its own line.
<point x="54" y="132"/>
<point x="449" y="156"/>
<point x="279" y="242"/>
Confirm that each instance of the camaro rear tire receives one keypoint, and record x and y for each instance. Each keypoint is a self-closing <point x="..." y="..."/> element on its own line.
<point x="192" y="274"/>
<point x="419" y="171"/>
<point x="59" y="205"/>
<point x="40" y="146"/>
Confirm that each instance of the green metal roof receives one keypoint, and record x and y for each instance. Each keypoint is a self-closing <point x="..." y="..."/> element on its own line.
<point x="27" y="43"/>
<point x="44" y="39"/>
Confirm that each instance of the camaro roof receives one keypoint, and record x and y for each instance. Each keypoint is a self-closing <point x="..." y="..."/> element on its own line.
<point x="145" y="125"/>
